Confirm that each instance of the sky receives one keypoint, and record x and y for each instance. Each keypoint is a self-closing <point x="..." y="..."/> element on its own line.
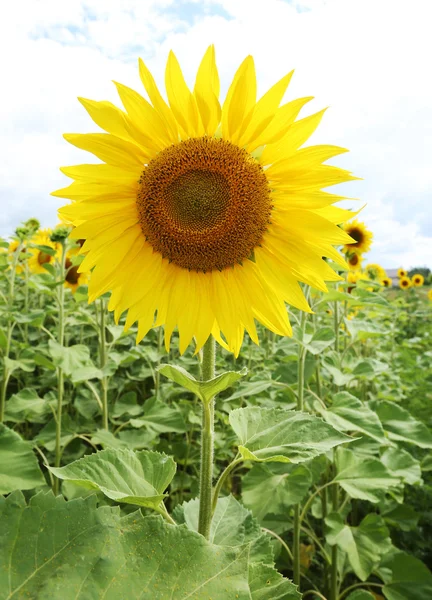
<point x="367" y="60"/>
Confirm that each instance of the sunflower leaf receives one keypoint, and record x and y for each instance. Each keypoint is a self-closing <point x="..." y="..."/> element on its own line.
<point x="205" y="390"/>
<point x="19" y="468"/>
<point x="278" y="435"/>
<point x="123" y="475"/>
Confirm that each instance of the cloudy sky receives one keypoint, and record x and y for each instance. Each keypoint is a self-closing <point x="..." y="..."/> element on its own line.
<point x="368" y="60"/>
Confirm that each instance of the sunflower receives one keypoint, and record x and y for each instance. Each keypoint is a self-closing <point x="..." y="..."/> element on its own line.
<point x="375" y="272"/>
<point x="417" y="280"/>
<point x="429" y="294"/>
<point x="361" y="235"/>
<point x="354" y="261"/>
<point x="205" y="217"/>
<point x="356" y="276"/>
<point x="386" y="282"/>
<point x="404" y="283"/>
<point x="73" y="278"/>
<point x="38" y="258"/>
<point x="13" y="247"/>
<point x="402" y="273"/>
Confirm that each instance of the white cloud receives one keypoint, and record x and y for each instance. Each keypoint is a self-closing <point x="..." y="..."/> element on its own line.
<point x="367" y="59"/>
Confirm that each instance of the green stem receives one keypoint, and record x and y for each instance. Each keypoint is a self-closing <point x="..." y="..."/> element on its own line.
<point x="103" y="359"/>
<point x="336" y="326"/>
<point x="207" y="444"/>
<point x="60" y="375"/>
<point x="276" y="536"/>
<point x="161" y="509"/>
<point x="358" y="585"/>
<point x="334" y="552"/>
<point x="157" y="374"/>
<point x="222" y="480"/>
<point x="10" y="299"/>
<point x="314" y="593"/>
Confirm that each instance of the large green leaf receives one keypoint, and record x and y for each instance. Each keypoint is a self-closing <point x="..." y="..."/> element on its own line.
<point x="19" y="468"/>
<point x="365" y="545"/>
<point x="205" y="390"/>
<point x="316" y="342"/>
<point x="123" y="475"/>
<point x="361" y="595"/>
<point x="73" y="551"/>
<point x="348" y="413"/>
<point x="274" y="434"/>
<point x="403" y="465"/>
<point x="363" y="477"/>
<point x="401" y="425"/>
<point x="271" y="488"/>
<point x="70" y="359"/>
<point x="363" y="330"/>
<point x="160" y="417"/>
<point x="27" y="405"/>
<point x="233" y="526"/>
<point x="409" y="578"/>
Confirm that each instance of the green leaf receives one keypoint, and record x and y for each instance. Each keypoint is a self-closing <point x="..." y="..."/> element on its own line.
<point x="26" y="405"/>
<point x="233" y="525"/>
<point x="123" y="475"/>
<point x="70" y="358"/>
<point x="348" y="413"/>
<point x="85" y="374"/>
<point x="25" y="364"/>
<point x="364" y="545"/>
<point x="401" y="425"/>
<point x="401" y="464"/>
<point x="275" y="434"/>
<point x="410" y="578"/>
<point x="68" y="550"/>
<point x="362" y="330"/>
<point x="318" y="341"/>
<point x="19" y="468"/>
<point x="401" y="516"/>
<point x="160" y="417"/>
<point x="271" y="488"/>
<point x="205" y="390"/>
<point x="249" y="388"/>
<point x="363" y="477"/>
<point x="127" y="405"/>
<point x="3" y="339"/>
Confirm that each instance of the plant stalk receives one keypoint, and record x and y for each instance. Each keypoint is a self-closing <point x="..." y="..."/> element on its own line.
<point x="103" y="359"/>
<point x="60" y="375"/>
<point x="207" y="443"/>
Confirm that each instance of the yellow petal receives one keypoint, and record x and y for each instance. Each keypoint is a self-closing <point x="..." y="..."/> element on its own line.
<point x="108" y="117"/>
<point x="240" y="101"/>
<point x="181" y="100"/>
<point x="206" y="92"/>
<point x="265" y="111"/>
<point x="112" y="150"/>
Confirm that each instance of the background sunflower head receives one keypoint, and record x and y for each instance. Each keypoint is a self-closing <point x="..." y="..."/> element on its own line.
<point x="386" y="282"/>
<point x="38" y="257"/>
<point x="417" y="280"/>
<point x="375" y="272"/>
<point x="361" y="235"/>
<point x="73" y="278"/>
<point x="402" y="273"/>
<point x="354" y="261"/>
<point x="214" y="210"/>
<point x="404" y="283"/>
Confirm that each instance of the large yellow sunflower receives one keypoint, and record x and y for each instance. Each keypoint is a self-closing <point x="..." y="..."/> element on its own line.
<point x="361" y="235"/>
<point x="38" y="258"/>
<point x="404" y="283"/>
<point x="417" y="280"/>
<point x="205" y="217"/>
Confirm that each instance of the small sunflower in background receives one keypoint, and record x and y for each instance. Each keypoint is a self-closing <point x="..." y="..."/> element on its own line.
<point x="73" y="279"/>
<point x="429" y="294"/>
<point x="354" y="261"/>
<point x="38" y="258"/>
<point x="404" y="283"/>
<point x="13" y="247"/>
<point x="205" y="216"/>
<point x="402" y="273"/>
<point x="417" y="280"/>
<point x="361" y="235"/>
<point x="375" y="272"/>
<point x="386" y="282"/>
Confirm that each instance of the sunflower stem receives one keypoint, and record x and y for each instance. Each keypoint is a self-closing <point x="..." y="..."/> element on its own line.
<point x="300" y="406"/>
<point x="60" y="375"/>
<point x="207" y="443"/>
<point x="102" y="363"/>
<point x="10" y="326"/>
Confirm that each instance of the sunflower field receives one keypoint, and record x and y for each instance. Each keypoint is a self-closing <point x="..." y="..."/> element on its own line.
<point x="169" y="427"/>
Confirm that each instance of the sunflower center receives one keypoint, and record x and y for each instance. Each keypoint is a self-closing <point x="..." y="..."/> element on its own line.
<point x="354" y="260"/>
<point x="357" y="235"/>
<point x="72" y="275"/>
<point x="204" y="204"/>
